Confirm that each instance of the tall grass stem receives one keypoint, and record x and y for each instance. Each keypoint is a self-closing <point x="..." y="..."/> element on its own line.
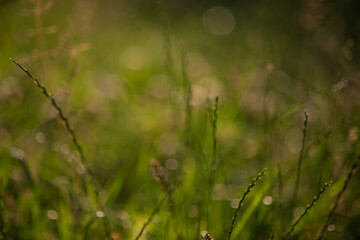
<point x="247" y="191"/>
<point x="155" y="211"/>
<point x="308" y="207"/>
<point x="187" y="97"/>
<point x="338" y="198"/>
<point x="91" y="180"/>
<point x="214" y="117"/>
<point x="300" y="160"/>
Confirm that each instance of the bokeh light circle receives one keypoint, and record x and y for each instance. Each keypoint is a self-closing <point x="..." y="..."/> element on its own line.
<point x="219" y="21"/>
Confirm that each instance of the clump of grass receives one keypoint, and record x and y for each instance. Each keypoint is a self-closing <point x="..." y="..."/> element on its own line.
<point x="338" y="198"/>
<point x="89" y="177"/>
<point x="308" y="207"/>
<point x="247" y="191"/>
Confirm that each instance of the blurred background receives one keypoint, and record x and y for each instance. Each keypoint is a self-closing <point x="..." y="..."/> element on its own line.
<point x="138" y="79"/>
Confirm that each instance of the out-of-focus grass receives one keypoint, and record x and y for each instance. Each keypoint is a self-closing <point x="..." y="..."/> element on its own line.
<point x="116" y="70"/>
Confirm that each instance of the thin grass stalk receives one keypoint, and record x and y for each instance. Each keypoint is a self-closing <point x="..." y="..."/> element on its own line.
<point x="161" y="178"/>
<point x="2" y="232"/>
<point x="2" y="222"/>
<point x="155" y="211"/>
<point x="87" y="227"/>
<point x="326" y="135"/>
<point x="338" y="198"/>
<point x="301" y="157"/>
<point x="89" y="179"/>
<point x="61" y="114"/>
<point x="214" y="117"/>
<point x="280" y="195"/>
<point x="198" y="222"/>
<point x="187" y="97"/>
<point x="39" y="10"/>
<point x="308" y="207"/>
<point x="349" y="155"/>
<point x="272" y="236"/>
<point x="35" y="207"/>
<point x="164" y="20"/>
<point x="328" y="95"/>
<point x="247" y="191"/>
<point x="300" y="160"/>
<point x="266" y="127"/>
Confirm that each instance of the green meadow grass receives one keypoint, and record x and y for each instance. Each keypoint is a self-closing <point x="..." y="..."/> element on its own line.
<point x="134" y="120"/>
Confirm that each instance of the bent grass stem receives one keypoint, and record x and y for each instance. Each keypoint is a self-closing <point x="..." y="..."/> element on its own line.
<point x="91" y="180"/>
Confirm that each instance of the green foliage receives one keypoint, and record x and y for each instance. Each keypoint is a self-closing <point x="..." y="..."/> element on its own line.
<point x="161" y="111"/>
